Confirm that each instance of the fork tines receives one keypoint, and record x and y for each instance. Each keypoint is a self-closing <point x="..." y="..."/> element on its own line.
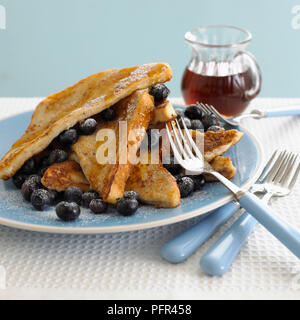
<point x="183" y="145"/>
<point x="282" y="169"/>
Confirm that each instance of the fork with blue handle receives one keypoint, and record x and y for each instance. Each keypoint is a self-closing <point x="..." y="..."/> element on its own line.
<point x="279" y="183"/>
<point x="266" y="216"/>
<point x="254" y="114"/>
<point x="183" y="245"/>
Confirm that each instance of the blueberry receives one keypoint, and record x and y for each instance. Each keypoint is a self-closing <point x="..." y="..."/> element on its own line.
<point x="40" y="198"/>
<point x="209" y="120"/>
<point x="127" y="206"/>
<point x="214" y="128"/>
<point x="187" y="122"/>
<point x="88" y="126"/>
<point x="180" y="112"/>
<point x="53" y="196"/>
<point x="57" y="155"/>
<point x="153" y="136"/>
<point x="55" y="144"/>
<point x="88" y="196"/>
<point x="178" y="176"/>
<point x="193" y="112"/>
<point x="98" y="206"/>
<point x="68" y="137"/>
<point x="108" y="114"/>
<point x="45" y="163"/>
<point x="40" y="157"/>
<point x="159" y="92"/>
<point x="27" y="188"/>
<point x="197" y="124"/>
<point x="131" y="195"/>
<point x="199" y="181"/>
<point x="42" y="171"/>
<point x="19" y="179"/>
<point x="73" y="194"/>
<point x="28" y="167"/>
<point x="186" y="186"/>
<point x="171" y="166"/>
<point x="67" y="211"/>
<point x="35" y="178"/>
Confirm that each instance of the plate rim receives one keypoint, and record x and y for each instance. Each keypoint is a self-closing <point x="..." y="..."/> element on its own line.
<point x="146" y="225"/>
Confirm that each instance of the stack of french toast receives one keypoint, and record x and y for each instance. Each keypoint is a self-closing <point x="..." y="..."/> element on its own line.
<point x="111" y="97"/>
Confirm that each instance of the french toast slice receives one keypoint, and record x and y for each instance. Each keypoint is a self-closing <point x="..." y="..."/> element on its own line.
<point x="163" y="112"/>
<point x="88" y="97"/>
<point x="109" y="179"/>
<point x="216" y="143"/>
<point x="222" y="165"/>
<point x="212" y="144"/>
<point x="62" y="175"/>
<point x="154" y="185"/>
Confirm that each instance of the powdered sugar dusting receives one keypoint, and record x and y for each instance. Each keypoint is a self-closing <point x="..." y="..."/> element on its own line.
<point x="15" y="208"/>
<point x="134" y="76"/>
<point x="96" y="100"/>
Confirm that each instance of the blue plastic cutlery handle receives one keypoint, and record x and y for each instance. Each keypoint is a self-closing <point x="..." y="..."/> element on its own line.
<point x="283" y="112"/>
<point x="219" y="257"/>
<point x="184" y="244"/>
<point x="272" y="221"/>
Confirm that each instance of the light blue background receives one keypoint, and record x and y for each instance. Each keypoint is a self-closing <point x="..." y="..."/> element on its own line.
<point x="49" y="45"/>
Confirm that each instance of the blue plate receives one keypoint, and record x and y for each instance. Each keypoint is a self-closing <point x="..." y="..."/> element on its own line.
<point x="15" y="212"/>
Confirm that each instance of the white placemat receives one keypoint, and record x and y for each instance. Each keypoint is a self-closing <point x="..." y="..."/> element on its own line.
<point x="129" y="266"/>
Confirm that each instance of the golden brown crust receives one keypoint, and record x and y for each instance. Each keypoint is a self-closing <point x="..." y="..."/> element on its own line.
<point x="216" y="143"/>
<point x="214" y="140"/>
<point x="212" y="144"/>
<point x="162" y="113"/>
<point x="224" y="166"/>
<point x="110" y="179"/>
<point x="155" y="185"/>
<point x="88" y="97"/>
<point x="66" y="174"/>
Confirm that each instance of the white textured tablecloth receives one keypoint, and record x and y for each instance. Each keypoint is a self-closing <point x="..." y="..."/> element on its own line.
<point x="129" y="266"/>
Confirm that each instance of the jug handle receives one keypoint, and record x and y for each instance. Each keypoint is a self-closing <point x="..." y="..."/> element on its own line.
<point x="253" y="92"/>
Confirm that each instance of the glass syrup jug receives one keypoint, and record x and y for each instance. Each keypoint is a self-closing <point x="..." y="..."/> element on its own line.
<point x="221" y="72"/>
